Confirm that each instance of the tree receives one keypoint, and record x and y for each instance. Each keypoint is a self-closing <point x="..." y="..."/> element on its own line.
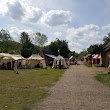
<point x="106" y="39"/>
<point x="60" y="45"/>
<point x="4" y="35"/>
<point x="81" y="54"/>
<point x="5" y="39"/>
<point x="27" y="47"/>
<point x="95" y="49"/>
<point x="39" y="39"/>
<point x="24" y="38"/>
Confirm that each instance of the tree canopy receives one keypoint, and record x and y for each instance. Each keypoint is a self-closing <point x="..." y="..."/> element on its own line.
<point x="60" y="45"/>
<point x="27" y="47"/>
<point x="106" y="39"/>
<point x="39" y="39"/>
<point x="95" y="49"/>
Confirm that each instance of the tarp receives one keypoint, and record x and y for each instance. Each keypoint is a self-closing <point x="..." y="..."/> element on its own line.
<point x="57" y="60"/>
<point x="59" y="57"/>
<point x="52" y="56"/>
<point x="11" y="56"/>
<point x="4" y="55"/>
<point x="35" y="57"/>
<point x="97" y="56"/>
<point x="17" y="57"/>
<point x="70" y="57"/>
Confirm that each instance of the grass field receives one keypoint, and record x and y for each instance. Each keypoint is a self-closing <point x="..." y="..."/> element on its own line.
<point x="23" y="91"/>
<point x="103" y="78"/>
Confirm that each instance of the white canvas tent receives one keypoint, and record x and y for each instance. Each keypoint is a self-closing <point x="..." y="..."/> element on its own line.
<point x="17" y="57"/>
<point x="6" y="58"/>
<point x="35" y="59"/>
<point x="52" y="56"/>
<point x="4" y="55"/>
<point x="59" y="60"/>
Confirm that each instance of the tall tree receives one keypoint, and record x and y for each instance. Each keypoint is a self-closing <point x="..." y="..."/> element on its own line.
<point x="106" y="39"/>
<point x="27" y="47"/>
<point x="24" y="38"/>
<point x="4" y="35"/>
<point x="59" y="47"/>
<point x="95" y="49"/>
<point x="5" y="39"/>
<point x="39" y="39"/>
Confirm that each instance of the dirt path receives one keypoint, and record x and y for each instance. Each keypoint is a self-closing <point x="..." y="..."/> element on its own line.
<point x="77" y="90"/>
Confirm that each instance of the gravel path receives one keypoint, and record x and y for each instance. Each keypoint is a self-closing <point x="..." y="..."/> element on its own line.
<point x="77" y="90"/>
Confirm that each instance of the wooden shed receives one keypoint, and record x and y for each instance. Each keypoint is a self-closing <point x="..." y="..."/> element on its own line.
<point x="106" y="55"/>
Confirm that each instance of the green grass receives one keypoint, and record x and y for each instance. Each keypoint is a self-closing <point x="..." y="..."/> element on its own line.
<point x="87" y="64"/>
<point x="103" y="78"/>
<point x="23" y="91"/>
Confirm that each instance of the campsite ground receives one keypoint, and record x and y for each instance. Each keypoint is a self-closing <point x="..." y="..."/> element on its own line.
<point x="24" y="90"/>
<point x="78" y="90"/>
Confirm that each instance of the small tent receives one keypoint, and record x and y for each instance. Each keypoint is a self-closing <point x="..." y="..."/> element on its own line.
<point x="60" y="62"/>
<point x="96" y="59"/>
<point x="34" y="59"/>
<point x="8" y="60"/>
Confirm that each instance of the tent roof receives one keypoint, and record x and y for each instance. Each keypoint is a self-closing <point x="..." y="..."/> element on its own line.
<point x="52" y="56"/>
<point x="11" y="56"/>
<point x="97" y="56"/>
<point x="5" y="55"/>
<point x="71" y="57"/>
<point x="35" y="57"/>
<point x="59" y="57"/>
<point x="17" y="57"/>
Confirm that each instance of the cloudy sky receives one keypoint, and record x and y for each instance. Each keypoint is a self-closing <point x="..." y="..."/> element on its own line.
<point x="80" y="22"/>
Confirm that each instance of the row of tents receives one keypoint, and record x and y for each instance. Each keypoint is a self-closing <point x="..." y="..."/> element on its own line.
<point x="7" y="61"/>
<point x="96" y="58"/>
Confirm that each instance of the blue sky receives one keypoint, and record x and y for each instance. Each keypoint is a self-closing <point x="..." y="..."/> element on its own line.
<point x="80" y="22"/>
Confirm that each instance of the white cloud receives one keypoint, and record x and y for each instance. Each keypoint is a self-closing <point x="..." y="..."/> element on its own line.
<point x="84" y="36"/>
<point x="20" y="11"/>
<point x="33" y="14"/>
<point x="15" y="33"/>
<point x="57" y="18"/>
<point x="58" y="34"/>
<point x="107" y="27"/>
<point x="15" y="10"/>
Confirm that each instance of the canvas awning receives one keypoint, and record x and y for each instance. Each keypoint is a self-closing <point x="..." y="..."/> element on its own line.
<point x="4" y="55"/>
<point x="97" y="56"/>
<point x="35" y="57"/>
<point x="17" y="57"/>
<point x="59" y="57"/>
<point x="52" y="56"/>
<point x="70" y="57"/>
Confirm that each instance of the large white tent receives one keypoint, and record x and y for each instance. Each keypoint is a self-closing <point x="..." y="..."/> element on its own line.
<point x="6" y="58"/>
<point x="59" y="61"/>
<point x="35" y="59"/>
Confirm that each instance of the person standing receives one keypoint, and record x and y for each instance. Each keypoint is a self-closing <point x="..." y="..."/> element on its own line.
<point x="16" y="67"/>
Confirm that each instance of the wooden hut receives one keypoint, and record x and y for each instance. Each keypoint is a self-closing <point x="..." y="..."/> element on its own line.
<point x="106" y="55"/>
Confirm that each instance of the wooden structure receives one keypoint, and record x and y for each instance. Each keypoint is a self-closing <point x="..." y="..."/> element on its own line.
<point x="106" y="55"/>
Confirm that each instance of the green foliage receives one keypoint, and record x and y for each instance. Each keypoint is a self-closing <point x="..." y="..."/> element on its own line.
<point x="106" y="39"/>
<point x="27" y="47"/>
<point x="24" y="91"/>
<point x="61" y="45"/>
<point x="88" y="64"/>
<point x="24" y="38"/>
<point x="103" y="78"/>
<point x="4" y="35"/>
<point x="39" y="39"/>
<point x="95" y="49"/>
<point x="83" y="53"/>
<point x="7" y="44"/>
